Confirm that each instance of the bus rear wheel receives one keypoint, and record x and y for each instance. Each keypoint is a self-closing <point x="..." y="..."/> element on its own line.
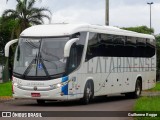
<point x="137" y="92"/>
<point x="88" y="93"/>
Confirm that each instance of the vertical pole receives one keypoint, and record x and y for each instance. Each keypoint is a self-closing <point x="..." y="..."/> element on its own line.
<point x="150" y="4"/>
<point x="107" y="13"/>
<point x="150" y="17"/>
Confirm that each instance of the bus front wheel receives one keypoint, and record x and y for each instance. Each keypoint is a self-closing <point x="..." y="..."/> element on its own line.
<point x="88" y="93"/>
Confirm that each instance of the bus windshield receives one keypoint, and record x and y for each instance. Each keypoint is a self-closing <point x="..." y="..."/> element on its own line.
<point x="37" y="57"/>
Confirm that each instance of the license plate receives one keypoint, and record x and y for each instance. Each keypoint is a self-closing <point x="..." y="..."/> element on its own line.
<point x="35" y="94"/>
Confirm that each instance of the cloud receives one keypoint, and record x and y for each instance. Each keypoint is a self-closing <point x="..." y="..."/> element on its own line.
<point x="127" y="16"/>
<point x="123" y="13"/>
<point x="117" y="3"/>
<point x="81" y="16"/>
<point x="79" y="4"/>
<point x="4" y="5"/>
<point x="135" y="16"/>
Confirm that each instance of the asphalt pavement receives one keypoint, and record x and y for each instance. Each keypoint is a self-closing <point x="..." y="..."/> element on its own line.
<point x="114" y="103"/>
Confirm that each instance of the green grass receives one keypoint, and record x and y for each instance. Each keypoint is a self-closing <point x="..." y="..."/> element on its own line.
<point x="147" y="104"/>
<point x="156" y="88"/>
<point x="6" y="89"/>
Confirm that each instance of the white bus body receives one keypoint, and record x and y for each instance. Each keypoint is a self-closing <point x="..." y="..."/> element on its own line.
<point x="102" y="60"/>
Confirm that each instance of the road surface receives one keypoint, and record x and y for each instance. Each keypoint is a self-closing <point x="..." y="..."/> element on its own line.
<point x="114" y="103"/>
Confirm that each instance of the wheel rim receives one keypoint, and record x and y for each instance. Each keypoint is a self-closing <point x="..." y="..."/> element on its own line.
<point x="89" y="93"/>
<point x="138" y="90"/>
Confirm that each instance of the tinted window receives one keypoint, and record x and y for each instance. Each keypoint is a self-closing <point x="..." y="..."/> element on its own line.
<point x="107" y="45"/>
<point x="118" y="40"/>
<point x="150" y="47"/>
<point x="76" y="51"/>
<point x="93" y="44"/>
<point x="130" y="47"/>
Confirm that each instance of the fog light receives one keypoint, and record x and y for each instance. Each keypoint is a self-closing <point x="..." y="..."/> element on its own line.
<point x="62" y="93"/>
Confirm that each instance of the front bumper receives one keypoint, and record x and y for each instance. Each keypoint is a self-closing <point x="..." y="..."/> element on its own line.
<point x="55" y="94"/>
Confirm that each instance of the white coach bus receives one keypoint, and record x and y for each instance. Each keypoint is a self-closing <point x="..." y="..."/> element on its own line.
<point x="80" y="61"/>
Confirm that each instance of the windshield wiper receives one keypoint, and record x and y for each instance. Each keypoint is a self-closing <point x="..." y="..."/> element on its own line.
<point x="30" y="66"/>
<point x="36" y="62"/>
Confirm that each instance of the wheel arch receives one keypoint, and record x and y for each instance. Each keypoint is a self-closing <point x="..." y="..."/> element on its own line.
<point x="88" y="94"/>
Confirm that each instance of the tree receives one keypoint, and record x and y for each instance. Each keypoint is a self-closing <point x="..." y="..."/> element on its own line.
<point x="26" y="15"/>
<point x="6" y="33"/>
<point x="158" y="54"/>
<point x="140" y="29"/>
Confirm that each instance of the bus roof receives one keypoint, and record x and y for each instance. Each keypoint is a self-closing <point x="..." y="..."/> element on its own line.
<point x="52" y="30"/>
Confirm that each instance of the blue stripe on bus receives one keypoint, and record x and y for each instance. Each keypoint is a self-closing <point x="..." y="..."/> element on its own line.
<point x="65" y="87"/>
<point x="64" y="79"/>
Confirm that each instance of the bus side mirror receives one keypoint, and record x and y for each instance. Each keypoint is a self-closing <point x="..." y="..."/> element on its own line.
<point x="7" y="46"/>
<point x="68" y="46"/>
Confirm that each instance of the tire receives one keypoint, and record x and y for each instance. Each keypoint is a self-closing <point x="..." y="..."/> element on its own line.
<point x="137" y="92"/>
<point x="88" y="93"/>
<point x="138" y="89"/>
<point x="41" y="102"/>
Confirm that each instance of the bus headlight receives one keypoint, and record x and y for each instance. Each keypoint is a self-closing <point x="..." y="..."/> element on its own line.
<point x="59" y="85"/>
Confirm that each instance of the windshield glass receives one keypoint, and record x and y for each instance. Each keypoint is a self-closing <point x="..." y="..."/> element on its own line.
<point x="40" y="56"/>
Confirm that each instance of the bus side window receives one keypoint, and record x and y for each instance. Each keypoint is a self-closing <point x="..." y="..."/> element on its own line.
<point x="130" y="47"/>
<point x="92" y="49"/>
<point x="141" y="47"/>
<point x="75" y="57"/>
<point x="76" y="52"/>
<point x="150" y="48"/>
<point x="72" y="58"/>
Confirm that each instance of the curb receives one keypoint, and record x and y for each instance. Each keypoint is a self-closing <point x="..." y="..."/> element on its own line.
<point x="6" y="98"/>
<point x="150" y="93"/>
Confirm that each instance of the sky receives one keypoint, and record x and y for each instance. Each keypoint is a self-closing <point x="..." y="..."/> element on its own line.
<point x="123" y="13"/>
